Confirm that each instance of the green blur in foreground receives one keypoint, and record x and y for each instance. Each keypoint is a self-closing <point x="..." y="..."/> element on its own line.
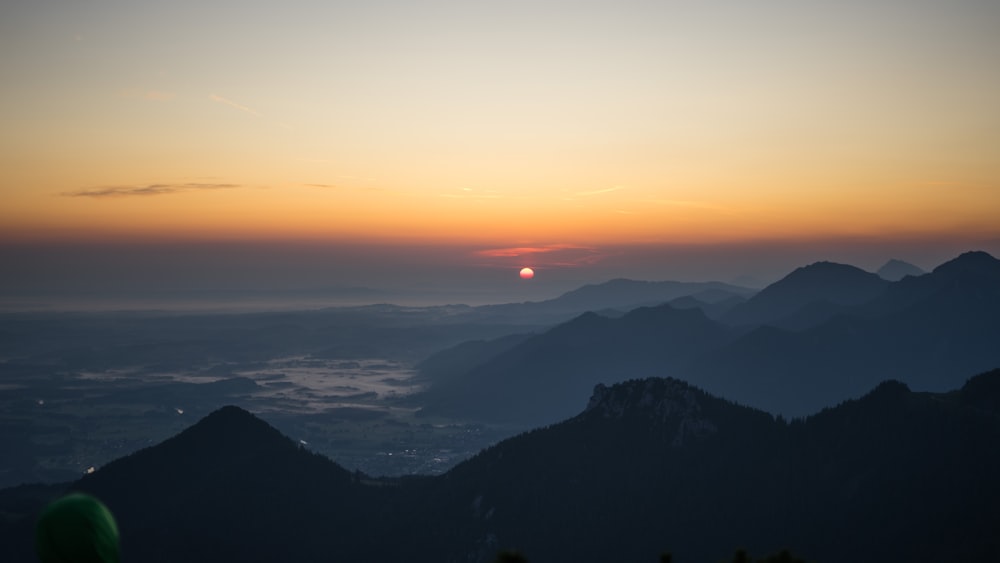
<point x="76" y="528"/>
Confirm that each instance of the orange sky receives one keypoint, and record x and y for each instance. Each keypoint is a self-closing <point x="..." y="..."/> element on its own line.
<point x="494" y="126"/>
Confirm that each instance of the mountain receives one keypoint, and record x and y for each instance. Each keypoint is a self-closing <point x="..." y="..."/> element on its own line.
<point x="231" y="476"/>
<point x="233" y="488"/>
<point x="825" y="286"/>
<point x="649" y="466"/>
<point x="451" y="363"/>
<point x="545" y="377"/>
<point x="828" y="333"/>
<point x="925" y="331"/>
<point x="895" y="270"/>
<point x="970" y="276"/>
<point x="662" y="465"/>
<point x="620" y="294"/>
<point x="712" y="309"/>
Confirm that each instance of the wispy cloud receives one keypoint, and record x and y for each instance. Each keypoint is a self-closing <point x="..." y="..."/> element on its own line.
<point x="514" y="251"/>
<point x="690" y="203"/>
<point x="147" y="190"/>
<point x="149" y="95"/>
<point x="599" y="192"/>
<point x="471" y="193"/>
<point x="957" y="185"/>
<point x="324" y="186"/>
<point x="549" y="255"/>
<point x="232" y="104"/>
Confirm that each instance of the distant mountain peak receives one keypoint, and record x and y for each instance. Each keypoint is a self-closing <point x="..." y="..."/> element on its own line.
<point x="830" y="279"/>
<point x="226" y="418"/>
<point x="229" y="415"/>
<point x="230" y="430"/>
<point x="976" y="263"/>
<point x="821" y="269"/>
<point x="840" y="284"/>
<point x="895" y="270"/>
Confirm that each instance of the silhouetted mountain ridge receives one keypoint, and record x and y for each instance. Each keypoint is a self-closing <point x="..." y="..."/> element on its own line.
<point x="618" y="294"/>
<point x="973" y="263"/>
<point x="829" y="484"/>
<point x="928" y="331"/>
<point x="650" y="465"/>
<point x="221" y="489"/>
<point x="547" y="376"/>
<point x="839" y="284"/>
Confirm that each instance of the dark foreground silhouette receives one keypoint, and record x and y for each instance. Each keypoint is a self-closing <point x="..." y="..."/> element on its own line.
<point x="651" y="466"/>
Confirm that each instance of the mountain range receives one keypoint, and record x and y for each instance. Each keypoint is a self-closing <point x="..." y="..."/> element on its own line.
<point x="617" y="294"/>
<point x="823" y="334"/>
<point x="649" y="466"/>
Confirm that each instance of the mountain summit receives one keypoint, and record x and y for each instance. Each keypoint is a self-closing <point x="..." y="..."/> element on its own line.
<point x="819" y="283"/>
<point x="895" y="270"/>
<point x="975" y="263"/>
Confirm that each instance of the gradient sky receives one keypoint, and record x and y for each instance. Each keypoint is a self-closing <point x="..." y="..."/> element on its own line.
<point x="596" y="137"/>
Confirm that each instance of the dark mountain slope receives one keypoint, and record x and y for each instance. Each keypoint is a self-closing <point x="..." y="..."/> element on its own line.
<point x="926" y="331"/>
<point x="968" y="279"/>
<point x="832" y="285"/>
<point x="658" y="465"/>
<point x="546" y="377"/>
<point x="226" y="489"/>
<point x="649" y="466"/>
<point x="620" y="294"/>
<point x="712" y="309"/>
<point x="456" y="361"/>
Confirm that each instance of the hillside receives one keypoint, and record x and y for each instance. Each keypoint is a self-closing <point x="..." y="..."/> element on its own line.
<point x="925" y="331"/>
<point x="617" y="294"/>
<point x="823" y="284"/>
<point x="649" y="466"/>
<point x="850" y="331"/>
<point x="544" y="378"/>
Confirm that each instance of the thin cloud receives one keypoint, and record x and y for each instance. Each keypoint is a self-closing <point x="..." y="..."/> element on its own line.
<point x="957" y="185"/>
<point x="599" y="192"/>
<point x="690" y="203"/>
<point x="147" y="190"/>
<point x="149" y="95"/>
<point x="232" y="104"/>
<point x="517" y="251"/>
<point x="324" y="186"/>
<point x="550" y="255"/>
<point x="471" y="193"/>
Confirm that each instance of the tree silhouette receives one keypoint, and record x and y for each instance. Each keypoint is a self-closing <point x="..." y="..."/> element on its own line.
<point x="510" y="556"/>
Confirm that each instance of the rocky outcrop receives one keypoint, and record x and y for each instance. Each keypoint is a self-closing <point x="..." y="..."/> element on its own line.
<point x="667" y="402"/>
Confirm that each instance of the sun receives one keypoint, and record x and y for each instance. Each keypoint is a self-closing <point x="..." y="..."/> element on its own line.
<point x="527" y="273"/>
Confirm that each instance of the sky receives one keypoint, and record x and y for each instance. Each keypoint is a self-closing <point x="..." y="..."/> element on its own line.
<point x="440" y="146"/>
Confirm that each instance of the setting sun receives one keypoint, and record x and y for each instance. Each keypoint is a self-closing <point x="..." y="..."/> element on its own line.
<point x="604" y="135"/>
